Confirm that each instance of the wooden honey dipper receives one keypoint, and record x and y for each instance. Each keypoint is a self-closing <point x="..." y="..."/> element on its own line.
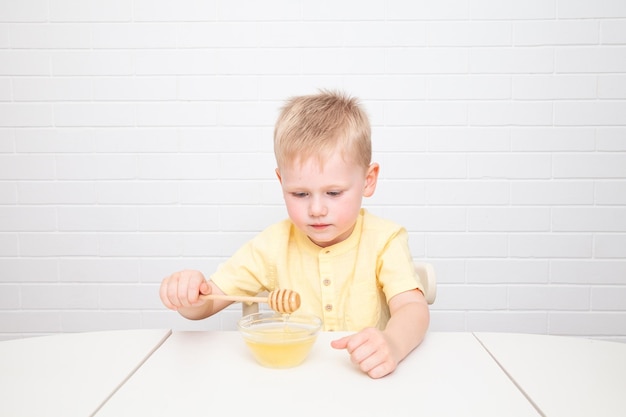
<point x="282" y="301"/>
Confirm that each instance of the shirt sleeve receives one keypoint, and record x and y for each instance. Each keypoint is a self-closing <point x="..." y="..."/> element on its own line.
<point x="396" y="270"/>
<point x="249" y="270"/>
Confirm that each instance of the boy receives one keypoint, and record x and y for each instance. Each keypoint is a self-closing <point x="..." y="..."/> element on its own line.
<point x="352" y="269"/>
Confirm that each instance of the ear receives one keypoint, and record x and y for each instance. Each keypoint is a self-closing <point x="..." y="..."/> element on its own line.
<point x="371" y="178"/>
<point x="280" y="179"/>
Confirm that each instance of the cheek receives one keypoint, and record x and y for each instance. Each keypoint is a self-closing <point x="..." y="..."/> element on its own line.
<point x="294" y="208"/>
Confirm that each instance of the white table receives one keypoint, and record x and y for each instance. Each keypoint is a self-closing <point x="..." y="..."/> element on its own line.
<point x="564" y="376"/>
<point x="70" y="374"/>
<point x="211" y="373"/>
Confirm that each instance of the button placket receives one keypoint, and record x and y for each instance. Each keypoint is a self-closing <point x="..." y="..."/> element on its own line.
<point x="327" y="288"/>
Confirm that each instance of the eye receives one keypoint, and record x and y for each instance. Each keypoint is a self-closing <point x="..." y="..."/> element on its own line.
<point x="334" y="193"/>
<point x="299" y="195"/>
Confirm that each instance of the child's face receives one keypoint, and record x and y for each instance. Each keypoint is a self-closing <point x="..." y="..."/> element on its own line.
<point x="324" y="201"/>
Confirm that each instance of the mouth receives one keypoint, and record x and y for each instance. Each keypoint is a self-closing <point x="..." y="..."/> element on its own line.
<point x="319" y="226"/>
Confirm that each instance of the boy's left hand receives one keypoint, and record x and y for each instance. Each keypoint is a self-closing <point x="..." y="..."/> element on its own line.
<point x="370" y="350"/>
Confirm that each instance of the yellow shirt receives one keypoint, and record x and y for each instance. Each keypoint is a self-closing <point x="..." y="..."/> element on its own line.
<point x="346" y="284"/>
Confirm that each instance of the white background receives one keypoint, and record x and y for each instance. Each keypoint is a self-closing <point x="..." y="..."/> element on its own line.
<point x="135" y="140"/>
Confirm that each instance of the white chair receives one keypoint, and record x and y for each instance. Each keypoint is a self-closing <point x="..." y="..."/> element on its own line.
<point x="425" y="271"/>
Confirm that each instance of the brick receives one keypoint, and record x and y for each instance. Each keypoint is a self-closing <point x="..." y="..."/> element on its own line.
<point x="135" y="89"/>
<point x="52" y="140"/>
<point x="610" y="245"/>
<point x="589" y="271"/>
<point x="140" y="36"/>
<point x="609" y="113"/>
<point x="587" y="323"/>
<point x="9" y="297"/>
<point x="157" y="192"/>
<point x="610" y="193"/>
<point x="589" y="165"/>
<point x="612" y="32"/>
<point x="612" y="86"/>
<point x="94" y="114"/>
<point x="8" y="244"/>
<point x="533" y="322"/>
<point x="513" y="165"/>
<point x="59" y="296"/>
<point x="601" y="59"/>
<point x="469" y="33"/>
<point x="179" y="219"/>
<point x="50" y="36"/>
<point x="175" y="62"/>
<point x="542" y="245"/>
<point x="454" y="9"/>
<point x="584" y="9"/>
<point x="556" y="32"/>
<point x="508" y="219"/>
<point x="516" y="113"/>
<point x="97" y="219"/>
<point x="548" y="139"/>
<point x="475" y="297"/>
<point x="24" y="62"/>
<point x="25" y="115"/>
<point x="8" y="193"/>
<point x="176" y="114"/>
<point x="499" y="271"/>
<point x="70" y="10"/>
<point x="98" y="270"/>
<point x="416" y="113"/>
<point x="27" y="218"/>
<point x="555" y="87"/>
<point x="58" y="244"/>
<point x="552" y="192"/>
<point x="438" y="219"/>
<point x="130" y="245"/>
<point x="427" y="61"/>
<point x="327" y="9"/>
<point x="466" y="245"/>
<point x="511" y="9"/>
<point x="24" y="11"/>
<point x="184" y="10"/>
<point x="517" y="60"/>
<point x="136" y="140"/>
<point x="611" y="139"/>
<point x="548" y="297"/>
<point x="467" y="193"/>
<point x="62" y="193"/>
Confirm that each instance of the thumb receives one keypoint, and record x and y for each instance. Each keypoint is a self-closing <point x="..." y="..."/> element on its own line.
<point x="340" y="343"/>
<point x="205" y="288"/>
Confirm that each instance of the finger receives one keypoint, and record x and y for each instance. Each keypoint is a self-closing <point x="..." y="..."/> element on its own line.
<point x="167" y="296"/>
<point x="163" y="294"/>
<point x="205" y="288"/>
<point x="193" y="290"/>
<point x="340" y="343"/>
<point x="381" y="370"/>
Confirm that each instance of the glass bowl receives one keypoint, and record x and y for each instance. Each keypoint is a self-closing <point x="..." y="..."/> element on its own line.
<point x="279" y="340"/>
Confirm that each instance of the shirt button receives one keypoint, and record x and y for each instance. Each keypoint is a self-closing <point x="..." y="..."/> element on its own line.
<point x="326" y="282"/>
<point x="328" y="307"/>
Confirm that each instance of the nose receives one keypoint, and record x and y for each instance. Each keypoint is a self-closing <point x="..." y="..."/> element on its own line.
<point x="317" y="207"/>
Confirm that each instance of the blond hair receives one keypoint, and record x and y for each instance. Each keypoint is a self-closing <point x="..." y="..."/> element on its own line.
<point x="320" y="124"/>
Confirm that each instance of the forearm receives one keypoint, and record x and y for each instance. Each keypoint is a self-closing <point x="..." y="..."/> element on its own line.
<point x="197" y="312"/>
<point x="408" y="326"/>
<point x="202" y="309"/>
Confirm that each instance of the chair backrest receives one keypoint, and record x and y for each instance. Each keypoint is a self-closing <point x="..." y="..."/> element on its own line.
<point x="425" y="271"/>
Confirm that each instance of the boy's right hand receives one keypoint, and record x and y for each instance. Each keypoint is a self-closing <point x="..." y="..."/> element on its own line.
<point x="183" y="289"/>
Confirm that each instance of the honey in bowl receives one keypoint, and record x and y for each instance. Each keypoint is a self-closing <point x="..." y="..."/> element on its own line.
<point x="280" y="340"/>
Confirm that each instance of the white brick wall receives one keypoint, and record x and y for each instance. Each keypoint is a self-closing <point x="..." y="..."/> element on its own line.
<point x="135" y="140"/>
